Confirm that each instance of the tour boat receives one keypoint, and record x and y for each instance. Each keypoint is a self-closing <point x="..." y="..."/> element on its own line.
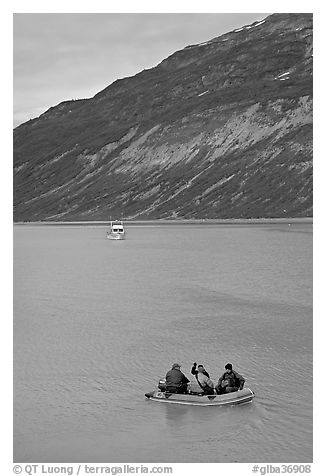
<point x="194" y="397"/>
<point x="117" y="231"/>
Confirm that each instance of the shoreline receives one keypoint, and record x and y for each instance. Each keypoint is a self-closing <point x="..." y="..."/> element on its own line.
<point x="213" y="221"/>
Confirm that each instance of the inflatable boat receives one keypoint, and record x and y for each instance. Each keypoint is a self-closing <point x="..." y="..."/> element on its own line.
<point x="193" y="397"/>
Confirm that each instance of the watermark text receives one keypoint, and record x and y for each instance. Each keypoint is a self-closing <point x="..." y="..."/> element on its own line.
<point x="82" y="469"/>
<point x="281" y="469"/>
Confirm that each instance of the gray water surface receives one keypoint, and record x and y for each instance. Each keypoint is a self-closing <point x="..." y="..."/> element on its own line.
<point x="98" y="322"/>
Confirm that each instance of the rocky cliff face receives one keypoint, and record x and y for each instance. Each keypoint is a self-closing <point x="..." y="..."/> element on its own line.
<point x="222" y="129"/>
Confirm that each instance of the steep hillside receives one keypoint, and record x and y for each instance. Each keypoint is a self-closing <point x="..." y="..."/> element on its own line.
<point x="222" y="129"/>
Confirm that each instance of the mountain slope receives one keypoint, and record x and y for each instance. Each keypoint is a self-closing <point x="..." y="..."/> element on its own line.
<point x="222" y="129"/>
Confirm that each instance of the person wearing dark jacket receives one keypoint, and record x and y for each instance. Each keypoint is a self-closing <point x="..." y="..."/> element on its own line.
<point x="230" y="381"/>
<point x="176" y="381"/>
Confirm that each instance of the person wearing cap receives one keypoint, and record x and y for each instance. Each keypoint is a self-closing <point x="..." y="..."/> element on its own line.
<point x="176" y="381"/>
<point x="230" y="381"/>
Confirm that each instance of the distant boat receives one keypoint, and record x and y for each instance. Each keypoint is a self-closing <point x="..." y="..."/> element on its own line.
<point x="117" y="231"/>
<point x="194" y="397"/>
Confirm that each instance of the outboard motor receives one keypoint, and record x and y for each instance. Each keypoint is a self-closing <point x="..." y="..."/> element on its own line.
<point x="162" y="385"/>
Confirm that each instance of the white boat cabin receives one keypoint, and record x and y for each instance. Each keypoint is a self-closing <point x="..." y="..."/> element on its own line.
<point x="117" y="227"/>
<point x="117" y="231"/>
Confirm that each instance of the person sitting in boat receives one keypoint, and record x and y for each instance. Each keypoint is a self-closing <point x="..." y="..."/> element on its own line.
<point x="230" y="381"/>
<point x="204" y="381"/>
<point x="195" y="372"/>
<point x="176" y="381"/>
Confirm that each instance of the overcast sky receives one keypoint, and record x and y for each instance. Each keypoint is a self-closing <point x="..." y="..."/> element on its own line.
<point x="62" y="56"/>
